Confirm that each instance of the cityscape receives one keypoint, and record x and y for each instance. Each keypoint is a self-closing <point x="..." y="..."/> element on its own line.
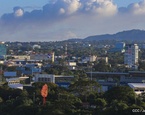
<point x="72" y="57"/>
<point x="87" y="75"/>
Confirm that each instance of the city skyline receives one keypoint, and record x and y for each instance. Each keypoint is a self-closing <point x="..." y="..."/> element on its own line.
<point x="55" y="20"/>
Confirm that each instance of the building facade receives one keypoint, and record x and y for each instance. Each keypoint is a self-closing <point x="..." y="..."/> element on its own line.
<point x="3" y="50"/>
<point x="110" y="79"/>
<point x="60" y="80"/>
<point x="131" y="55"/>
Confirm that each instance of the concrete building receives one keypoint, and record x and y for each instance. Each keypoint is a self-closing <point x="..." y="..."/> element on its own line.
<point x="137" y="87"/>
<point x="61" y="80"/>
<point x="3" y="50"/>
<point x="131" y="55"/>
<point x="15" y="82"/>
<point x="110" y="79"/>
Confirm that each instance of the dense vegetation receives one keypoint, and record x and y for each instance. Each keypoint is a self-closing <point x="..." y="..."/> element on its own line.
<point x="81" y="98"/>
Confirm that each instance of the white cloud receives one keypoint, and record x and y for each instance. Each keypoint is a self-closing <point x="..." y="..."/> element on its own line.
<point x="138" y="8"/>
<point x="19" y="13"/>
<point x="73" y="6"/>
<point x="63" y="19"/>
<point x="61" y="11"/>
<point x="68" y="7"/>
<point x="100" y="7"/>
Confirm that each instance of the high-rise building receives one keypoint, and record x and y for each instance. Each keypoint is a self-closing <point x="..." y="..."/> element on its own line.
<point x="131" y="55"/>
<point x="3" y="50"/>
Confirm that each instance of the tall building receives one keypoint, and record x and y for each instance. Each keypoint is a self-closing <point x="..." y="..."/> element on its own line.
<point x="3" y="50"/>
<point x="131" y="55"/>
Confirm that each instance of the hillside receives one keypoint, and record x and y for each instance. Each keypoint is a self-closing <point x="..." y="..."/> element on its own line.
<point x="136" y="35"/>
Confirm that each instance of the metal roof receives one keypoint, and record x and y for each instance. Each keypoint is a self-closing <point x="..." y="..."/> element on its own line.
<point x="109" y="73"/>
<point x="137" y="85"/>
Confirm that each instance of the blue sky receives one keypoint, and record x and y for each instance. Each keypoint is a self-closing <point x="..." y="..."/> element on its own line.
<point x="125" y="3"/>
<point x="54" y="20"/>
<point x="7" y="5"/>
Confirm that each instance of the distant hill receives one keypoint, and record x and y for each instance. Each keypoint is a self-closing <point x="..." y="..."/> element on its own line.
<point x="74" y="40"/>
<point x="135" y="35"/>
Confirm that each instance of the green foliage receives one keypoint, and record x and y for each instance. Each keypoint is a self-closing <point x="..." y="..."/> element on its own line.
<point x="119" y="105"/>
<point x="24" y="93"/>
<point x="102" y="67"/>
<point x="120" y="93"/>
<point x="141" y="66"/>
<point x="7" y="93"/>
<point x="23" y="101"/>
<point x="84" y="87"/>
<point x="100" y="102"/>
<point x="25" y="110"/>
<point x="60" y="101"/>
<point x="1" y="100"/>
<point x="58" y="70"/>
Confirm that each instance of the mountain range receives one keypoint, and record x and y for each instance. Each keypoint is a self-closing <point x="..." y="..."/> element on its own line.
<point x="134" y="35"/>
<point x="129" y="35"/>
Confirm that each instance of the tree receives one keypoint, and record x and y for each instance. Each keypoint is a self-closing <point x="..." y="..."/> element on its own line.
<point x="120" y="93"/>
<point x="101" y="103"/>
<point x="102" y="66"/>
<point x="1" y="100"/>
<point x="23" y="101"/>
<point x="119" y="105"/>
<point x="83" y="88"/>
<point x="141" y="66"/>
<point x="24" y="93"/>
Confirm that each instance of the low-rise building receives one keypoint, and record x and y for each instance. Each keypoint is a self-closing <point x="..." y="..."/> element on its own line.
<point x="137" y="87"/>
<point x="61" y="80"/>
<point x="110" y="79"/>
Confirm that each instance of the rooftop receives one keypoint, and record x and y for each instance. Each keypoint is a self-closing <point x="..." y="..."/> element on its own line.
<point x="137" y="85"/>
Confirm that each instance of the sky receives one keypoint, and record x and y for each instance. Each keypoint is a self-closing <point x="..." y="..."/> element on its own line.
<point x="56" y="20"/>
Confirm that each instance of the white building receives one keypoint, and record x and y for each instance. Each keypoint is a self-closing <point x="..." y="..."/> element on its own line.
<point x="15" y="82"/>
<point x="52" y="78"/>
<point x="137" y="87"/>
<point x="131" y="55"/>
